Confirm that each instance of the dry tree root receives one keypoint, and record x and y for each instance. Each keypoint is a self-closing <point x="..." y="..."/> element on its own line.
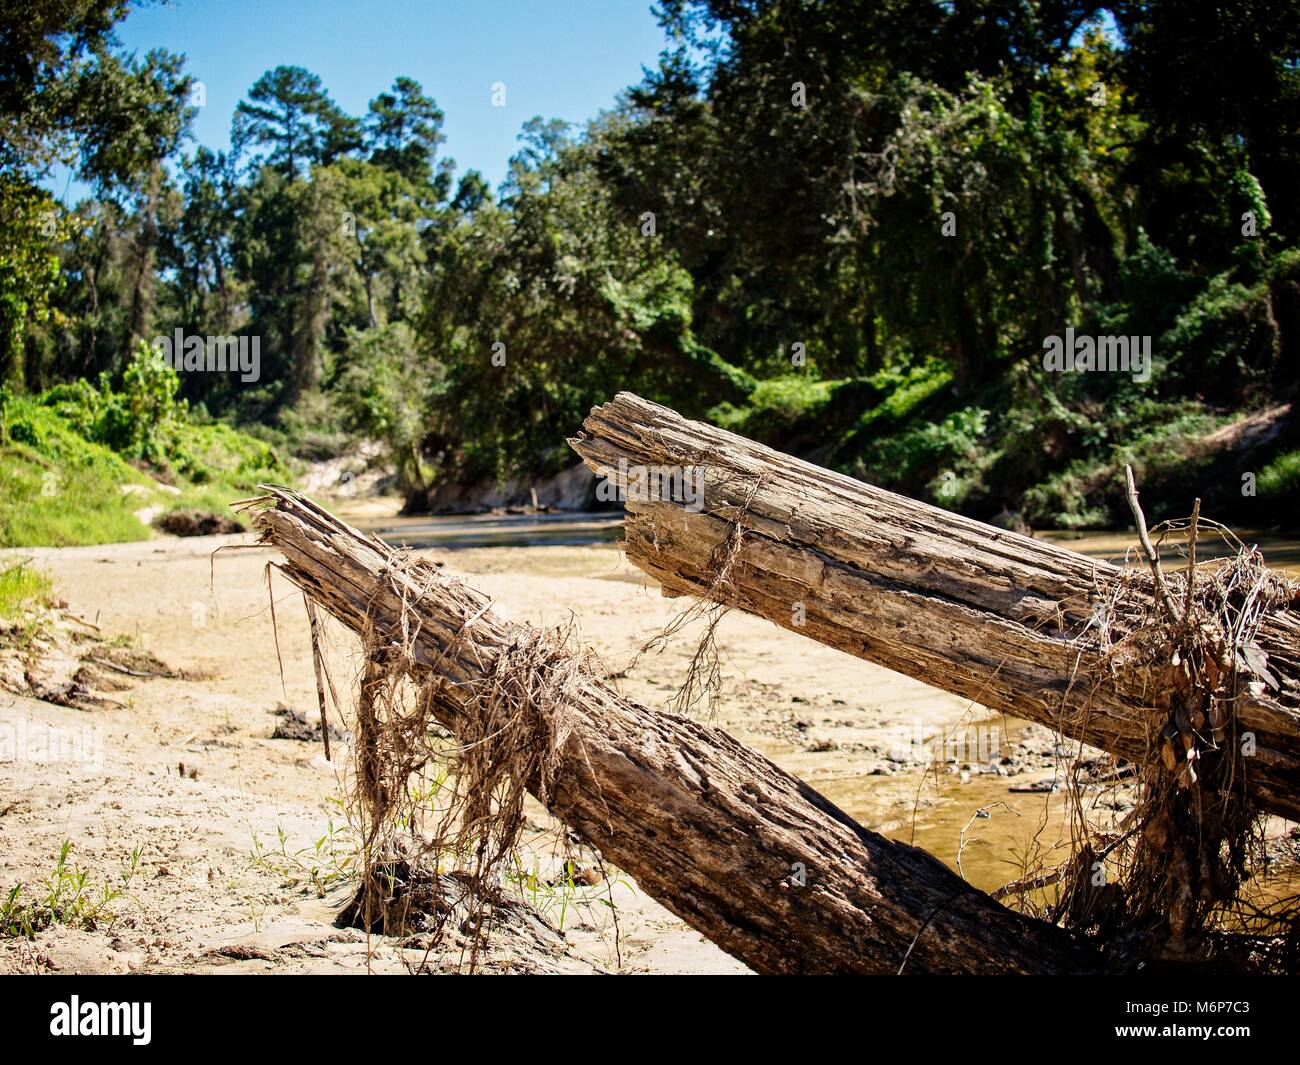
<point x="439" y="814"/>
<point x="1188" y="848"/>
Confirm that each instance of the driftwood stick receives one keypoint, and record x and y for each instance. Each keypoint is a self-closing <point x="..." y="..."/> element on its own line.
<point x="1190" y="594"/>
<point x="1149" y="552"/>
<point x="753" y="858"/>
<point x="318" y="663"/>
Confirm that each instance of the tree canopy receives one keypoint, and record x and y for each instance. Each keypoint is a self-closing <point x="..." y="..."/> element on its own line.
<point x="844" y="227"/>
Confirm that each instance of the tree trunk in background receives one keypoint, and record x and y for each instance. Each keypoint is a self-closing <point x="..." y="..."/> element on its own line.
<point x="143" y="279"/>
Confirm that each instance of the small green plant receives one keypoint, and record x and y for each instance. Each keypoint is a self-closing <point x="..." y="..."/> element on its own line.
<point x="1280" y="479"/>
<point x="23" y="589"/>
<point x="65" y="898"/>
<point x="24" y="603"/>
<point x="330" y="860"/>
<point x="553" y="897"/>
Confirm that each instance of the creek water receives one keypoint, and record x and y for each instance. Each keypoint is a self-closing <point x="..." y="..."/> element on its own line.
<point x="499" y="530"/>
<point x="604" y="527"/>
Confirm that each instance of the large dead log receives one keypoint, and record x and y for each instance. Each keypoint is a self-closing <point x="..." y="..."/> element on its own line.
<point x="987" y="614"/>
<point x="750" y="856"/>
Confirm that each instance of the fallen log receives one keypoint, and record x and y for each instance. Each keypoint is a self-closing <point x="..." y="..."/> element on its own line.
<point x="745" y="853"/>
<point x="990" y="615"/>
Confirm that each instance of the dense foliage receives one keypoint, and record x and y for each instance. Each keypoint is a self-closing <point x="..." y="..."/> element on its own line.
<point x="841" y="226"/>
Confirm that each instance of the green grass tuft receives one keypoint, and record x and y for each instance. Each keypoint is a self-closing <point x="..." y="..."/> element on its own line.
<point x="1279" y="481"/>
<point x="22" y="590"/>
<point x="65" y="898"/>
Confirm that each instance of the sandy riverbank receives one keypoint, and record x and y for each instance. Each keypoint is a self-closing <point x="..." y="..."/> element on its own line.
<point x="207" y="894"/>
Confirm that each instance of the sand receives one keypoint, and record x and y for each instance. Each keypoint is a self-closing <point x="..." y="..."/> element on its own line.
<point x="228" y="845"/>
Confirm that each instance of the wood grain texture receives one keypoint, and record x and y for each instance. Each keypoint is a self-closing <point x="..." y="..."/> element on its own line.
<point x="711" y="829"/>
<point x="987" y="614"/>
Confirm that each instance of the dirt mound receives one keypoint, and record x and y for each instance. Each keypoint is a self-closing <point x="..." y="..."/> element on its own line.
<point x="197" y="523"/>
<point x="54" y="655"/>
<point x="293" y="724"/>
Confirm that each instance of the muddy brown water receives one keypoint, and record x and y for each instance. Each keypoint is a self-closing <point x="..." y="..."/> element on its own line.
<point x="1280" y="552"/>
<point x="995" y="849"/>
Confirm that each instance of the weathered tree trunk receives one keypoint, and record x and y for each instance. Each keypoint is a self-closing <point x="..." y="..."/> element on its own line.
<point x="745" y="853"/>
<point x="990" y="615"/>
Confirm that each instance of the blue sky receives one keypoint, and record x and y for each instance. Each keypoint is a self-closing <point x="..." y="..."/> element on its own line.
<point x="557" y="58"/>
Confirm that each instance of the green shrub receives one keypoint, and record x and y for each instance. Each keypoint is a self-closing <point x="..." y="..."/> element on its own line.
<point x="1279" y="484"/>
<point x="22" y="587"/>
<point x="943" y="461"/>
<point x="776" y="407"/>
<point x="901" y="395"/>
<point x="147" y="422"/>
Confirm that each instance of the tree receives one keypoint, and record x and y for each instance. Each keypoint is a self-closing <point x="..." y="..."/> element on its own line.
<point x="384" y="389"/>
<point x="292" y="249"/>
<point x="68" y="93"/>
<point x="31" y="225"/>
<point x="542" y="303"/>
<point x="289" y="114"/>
<point x="382" y="212"/>
<point x="403" y="133"/>
<point x="197" y="249"/>
<point x="1218" y="88"/>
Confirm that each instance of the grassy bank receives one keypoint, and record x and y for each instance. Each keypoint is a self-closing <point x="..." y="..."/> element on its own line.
<point x="1212" y="418"/>
<point x="85" y="464"/>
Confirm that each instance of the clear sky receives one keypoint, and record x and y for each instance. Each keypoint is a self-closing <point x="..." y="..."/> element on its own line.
<point x="557" y="58"/>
